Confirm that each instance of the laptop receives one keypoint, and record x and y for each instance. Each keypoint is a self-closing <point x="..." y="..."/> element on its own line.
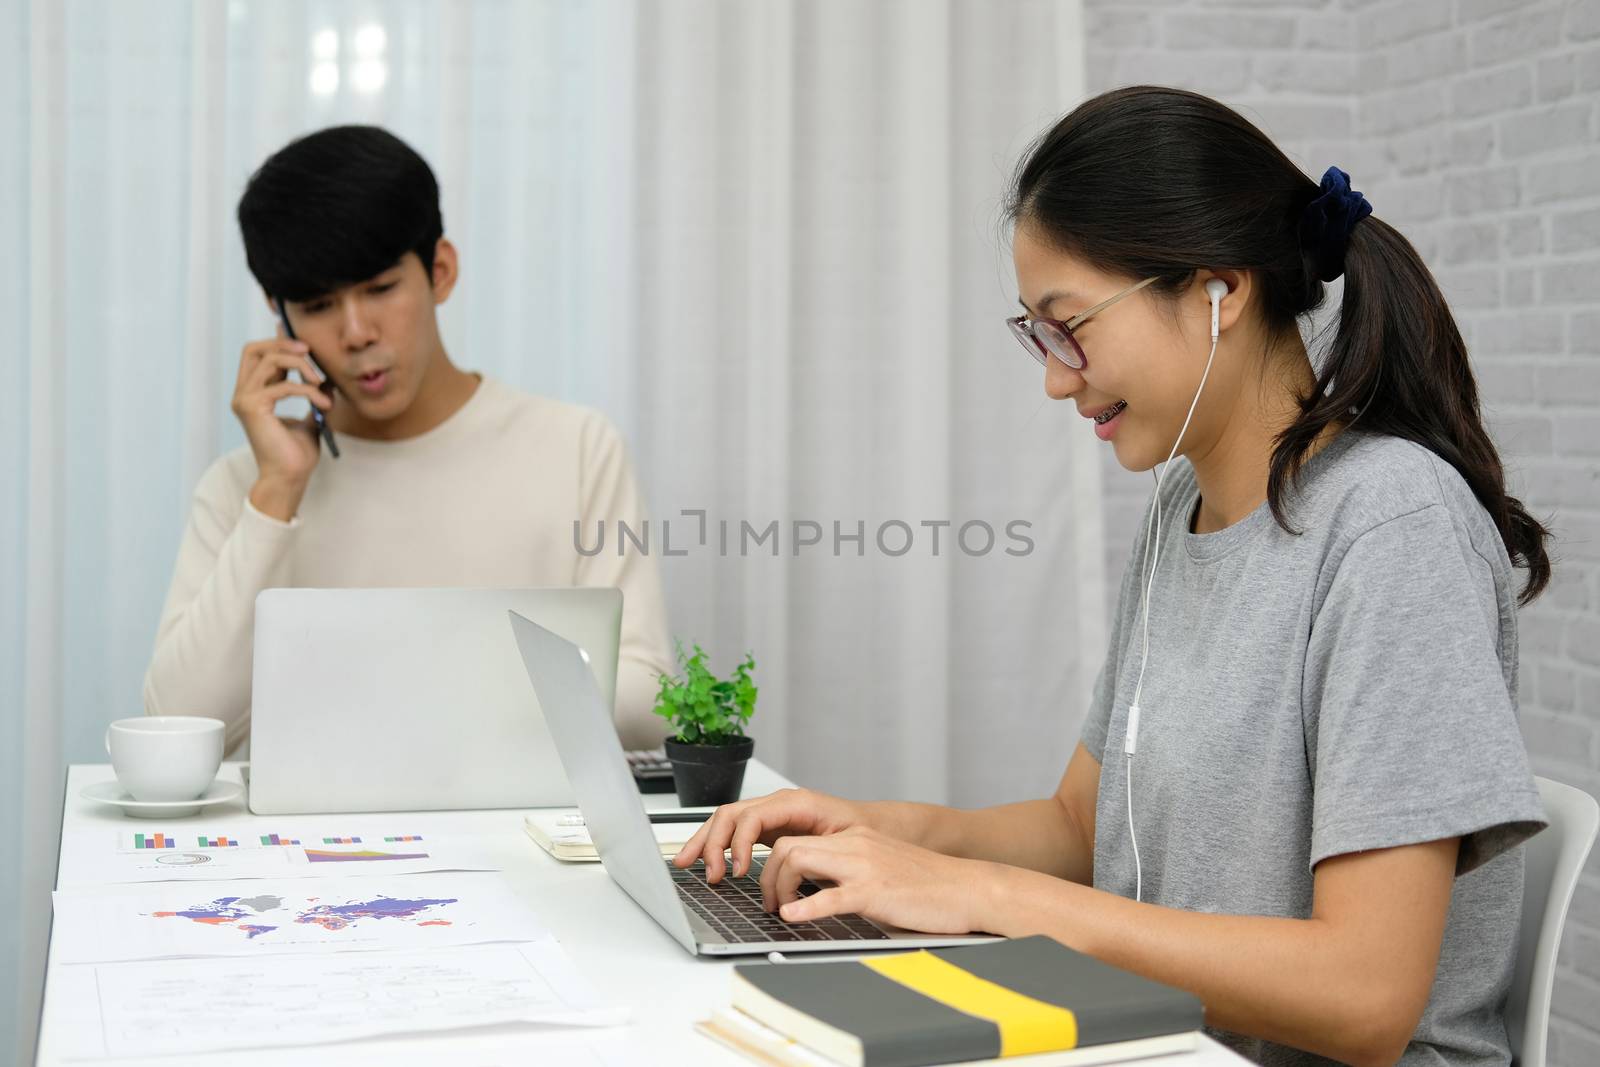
<point x="709" y="920"/>
<point x="369" y="700"/>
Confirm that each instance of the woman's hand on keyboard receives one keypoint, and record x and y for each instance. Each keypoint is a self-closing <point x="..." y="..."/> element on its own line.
<point x="884" y="878"/>
<point x="739" y="827"/>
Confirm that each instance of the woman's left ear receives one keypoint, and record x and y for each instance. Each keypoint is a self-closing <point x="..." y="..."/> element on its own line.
<point x="1236" y="296"/>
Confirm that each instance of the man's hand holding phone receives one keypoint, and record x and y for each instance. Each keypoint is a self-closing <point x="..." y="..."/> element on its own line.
<point x="286" y="450"/>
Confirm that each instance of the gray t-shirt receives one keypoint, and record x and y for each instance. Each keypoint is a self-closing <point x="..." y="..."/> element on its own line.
<point x="1351" y="687"/>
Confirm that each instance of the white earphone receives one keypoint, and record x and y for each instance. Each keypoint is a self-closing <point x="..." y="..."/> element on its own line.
<point x="1216" y="289"/>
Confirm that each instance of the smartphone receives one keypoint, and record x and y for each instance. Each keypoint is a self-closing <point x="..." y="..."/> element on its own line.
<point x="323" y="429"/>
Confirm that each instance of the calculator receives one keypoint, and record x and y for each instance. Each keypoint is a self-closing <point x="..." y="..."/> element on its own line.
<point x="652" y="771"/>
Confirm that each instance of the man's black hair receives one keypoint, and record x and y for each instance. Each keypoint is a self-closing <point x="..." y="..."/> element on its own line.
<point x="335" y="208"/>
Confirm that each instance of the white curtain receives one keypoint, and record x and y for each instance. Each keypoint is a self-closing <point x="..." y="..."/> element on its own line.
<point x="763" y="236"/>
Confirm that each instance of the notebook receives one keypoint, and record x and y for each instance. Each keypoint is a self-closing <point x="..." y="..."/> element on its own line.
<point x="572" y="844"/>
<point x="762" y="1044"/>
<point x="1032" y="997"/>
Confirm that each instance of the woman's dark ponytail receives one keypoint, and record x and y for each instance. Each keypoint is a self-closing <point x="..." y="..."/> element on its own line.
<point x="1397" y="365"/>
<point x="1210" y="190"/>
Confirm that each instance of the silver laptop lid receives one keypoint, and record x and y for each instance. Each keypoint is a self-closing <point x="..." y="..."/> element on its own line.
<point x="607" y="795"/>
<point x="411" y="699"/>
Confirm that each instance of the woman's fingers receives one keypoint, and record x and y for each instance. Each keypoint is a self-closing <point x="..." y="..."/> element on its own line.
<point x="698" y="843"/>
<point x="835" y="900"/>
<point x="719" y="831"/>
<point x="751" y="827"/>
<point x="833" y="858"/>
<point x="693" y="847"/>
<point x="737" y="828"/>
<point x="769" y="872"/>
<point x="711" y="840"/>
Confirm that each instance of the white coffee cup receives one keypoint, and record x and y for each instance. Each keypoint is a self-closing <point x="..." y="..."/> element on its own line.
<point x="165" y="757"/>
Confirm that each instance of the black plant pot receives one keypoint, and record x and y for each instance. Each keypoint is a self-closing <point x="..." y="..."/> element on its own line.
<point x="707" y="775"/>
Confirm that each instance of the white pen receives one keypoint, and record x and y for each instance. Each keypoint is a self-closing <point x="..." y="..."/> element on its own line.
<point x="686" y="816"/>
<point x="778" y="957"/>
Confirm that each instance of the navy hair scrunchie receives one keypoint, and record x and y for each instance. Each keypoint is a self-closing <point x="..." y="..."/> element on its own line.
<point x="1326" y="223"/>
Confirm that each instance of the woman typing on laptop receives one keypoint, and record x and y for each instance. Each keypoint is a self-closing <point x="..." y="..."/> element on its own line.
<point x="1300" y="787"/>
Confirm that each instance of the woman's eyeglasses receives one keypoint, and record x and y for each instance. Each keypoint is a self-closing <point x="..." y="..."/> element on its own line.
<point x="1044" y="338"/>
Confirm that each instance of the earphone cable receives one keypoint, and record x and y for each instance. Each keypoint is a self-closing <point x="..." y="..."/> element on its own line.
<point x="1154" y="554"/>
<point x="1138" y="870"/>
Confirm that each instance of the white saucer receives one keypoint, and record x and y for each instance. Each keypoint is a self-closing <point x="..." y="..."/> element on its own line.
<point x="218" y="792"/>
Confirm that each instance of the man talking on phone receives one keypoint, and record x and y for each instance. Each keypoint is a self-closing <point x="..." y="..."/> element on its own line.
<point x="442" y="477"/>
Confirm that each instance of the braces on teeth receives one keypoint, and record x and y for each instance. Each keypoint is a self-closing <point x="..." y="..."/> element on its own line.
<point x="1110" y="413"/>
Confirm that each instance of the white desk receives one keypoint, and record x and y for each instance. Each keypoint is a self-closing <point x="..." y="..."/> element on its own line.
<point x="614" y="944"/>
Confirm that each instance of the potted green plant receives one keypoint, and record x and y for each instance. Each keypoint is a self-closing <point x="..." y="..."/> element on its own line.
<point x="708" y="750"/>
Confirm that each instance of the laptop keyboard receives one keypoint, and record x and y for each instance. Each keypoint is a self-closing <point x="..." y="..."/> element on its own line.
<point x="732" y="908"/>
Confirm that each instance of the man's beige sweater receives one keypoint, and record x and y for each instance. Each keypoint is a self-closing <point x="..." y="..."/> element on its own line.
<point x="485" y="499"/>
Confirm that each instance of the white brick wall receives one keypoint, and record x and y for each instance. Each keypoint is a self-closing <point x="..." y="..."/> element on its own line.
<point x="1474" y="127"/>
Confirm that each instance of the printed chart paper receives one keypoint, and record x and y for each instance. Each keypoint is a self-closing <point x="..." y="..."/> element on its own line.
<point x="176" y="854"/>
<point x="195" y="1006"/>
<point x="266" y="917"/>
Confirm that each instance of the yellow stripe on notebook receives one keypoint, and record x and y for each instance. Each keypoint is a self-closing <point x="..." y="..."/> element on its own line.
<point x="1026" y="1025"/>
